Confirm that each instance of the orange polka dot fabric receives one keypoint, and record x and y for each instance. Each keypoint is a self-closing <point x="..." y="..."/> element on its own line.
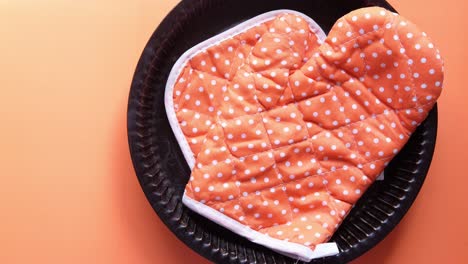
<point x="288" y="131"/>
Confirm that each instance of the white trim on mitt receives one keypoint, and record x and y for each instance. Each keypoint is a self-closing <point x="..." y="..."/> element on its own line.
<point x="290" y="249"/>
<point x="293" y="250"/>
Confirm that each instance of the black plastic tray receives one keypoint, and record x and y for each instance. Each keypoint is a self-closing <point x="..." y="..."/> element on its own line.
<point x="163" y="172"/>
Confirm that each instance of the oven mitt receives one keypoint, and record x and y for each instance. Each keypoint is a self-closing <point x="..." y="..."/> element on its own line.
<point x="284" y="131"/>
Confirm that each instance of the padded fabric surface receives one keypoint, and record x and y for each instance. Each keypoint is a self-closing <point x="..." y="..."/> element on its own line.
<point x="284" y="132"/>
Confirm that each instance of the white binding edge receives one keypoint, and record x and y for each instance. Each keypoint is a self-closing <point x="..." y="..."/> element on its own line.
<point x="290" y="249"/>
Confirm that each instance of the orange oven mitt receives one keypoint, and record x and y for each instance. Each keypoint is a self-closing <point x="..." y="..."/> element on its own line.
<point x="285" y="129"/>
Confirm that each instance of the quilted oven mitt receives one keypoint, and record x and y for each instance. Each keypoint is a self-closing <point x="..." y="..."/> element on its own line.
<point x="285" y="130"/>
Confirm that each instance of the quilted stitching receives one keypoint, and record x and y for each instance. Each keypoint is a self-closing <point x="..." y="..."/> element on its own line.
<point x="289" y="132"/>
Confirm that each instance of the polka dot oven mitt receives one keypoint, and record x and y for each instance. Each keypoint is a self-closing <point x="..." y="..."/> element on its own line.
<point x="285" y="130"/>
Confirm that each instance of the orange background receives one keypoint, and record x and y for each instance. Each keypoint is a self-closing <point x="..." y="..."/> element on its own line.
<point x="68" y="192"/>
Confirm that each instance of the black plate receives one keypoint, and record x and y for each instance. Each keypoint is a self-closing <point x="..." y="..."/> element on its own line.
<point x="163" y="172"/>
